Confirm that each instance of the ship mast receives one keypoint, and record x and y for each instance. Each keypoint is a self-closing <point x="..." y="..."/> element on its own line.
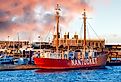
<point x="84" y="21"/>
<point x="57" y="27"/>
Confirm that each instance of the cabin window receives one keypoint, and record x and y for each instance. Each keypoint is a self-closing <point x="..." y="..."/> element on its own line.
<point x="93" y="43"/>
<point x="88" y="43"/>
<point x="96" y="44"/>
<point x="64" y="41"/>
<point x="100" y="44"/>
<point x="76" y="41"/>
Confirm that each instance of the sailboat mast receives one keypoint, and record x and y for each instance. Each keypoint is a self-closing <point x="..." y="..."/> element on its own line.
<point x="57" y="27"/>
<point x="84" y="21"/>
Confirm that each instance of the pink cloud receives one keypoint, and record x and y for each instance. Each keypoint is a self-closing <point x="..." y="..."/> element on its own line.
<point x="20" y="16"/>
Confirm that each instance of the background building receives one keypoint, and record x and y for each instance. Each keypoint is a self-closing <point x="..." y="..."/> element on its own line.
<point x="13" y="44"/>
<point x="76" y="42"/>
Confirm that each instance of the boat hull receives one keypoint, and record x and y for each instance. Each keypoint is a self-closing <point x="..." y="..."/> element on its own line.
<point x="49" y="63"/>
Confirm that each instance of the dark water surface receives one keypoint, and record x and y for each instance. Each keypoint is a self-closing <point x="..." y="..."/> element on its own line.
<point x="110" y="74"/>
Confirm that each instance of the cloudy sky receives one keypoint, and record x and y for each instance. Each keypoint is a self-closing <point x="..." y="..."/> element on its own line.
<point x="31" y="18"/>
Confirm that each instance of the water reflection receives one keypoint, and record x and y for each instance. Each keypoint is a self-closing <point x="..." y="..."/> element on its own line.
<point x="51" y="71"/>
<point x="109" y="74"/>
<point x="67" y="70"/>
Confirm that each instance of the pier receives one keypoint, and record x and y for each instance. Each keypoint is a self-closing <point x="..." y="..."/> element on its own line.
<point x="17" y="67"/>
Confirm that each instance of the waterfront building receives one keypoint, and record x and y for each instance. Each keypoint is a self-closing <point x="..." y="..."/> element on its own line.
<point x="11" y="47"/>
<point x="114" y="50"/>
<point x="13" y="44"/>
<point x="41" y="45"/>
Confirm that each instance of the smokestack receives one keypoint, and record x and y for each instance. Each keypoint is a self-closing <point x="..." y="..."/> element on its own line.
<point x="68" y="35"/>
<point x="65" y="36"/>
<point x="75" y="36"/>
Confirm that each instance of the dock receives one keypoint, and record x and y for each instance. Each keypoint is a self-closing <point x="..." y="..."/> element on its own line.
<point x="17" y="67"/>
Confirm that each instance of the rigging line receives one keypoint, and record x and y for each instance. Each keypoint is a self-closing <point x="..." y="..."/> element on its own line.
<point x="96" y="34"/>
<point x="52" y="29"/>
<point x="48" y="33"/>
<point x="81" y="31"/>
<point x="94" y="31"/>
<point x="60" y="32"/>
<point x="88" y="33"/>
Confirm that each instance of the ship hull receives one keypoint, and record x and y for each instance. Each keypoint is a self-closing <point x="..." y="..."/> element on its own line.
<point x="49" y="63"/>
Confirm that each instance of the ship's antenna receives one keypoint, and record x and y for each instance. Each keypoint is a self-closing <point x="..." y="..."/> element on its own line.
<point x="57" y="27"/>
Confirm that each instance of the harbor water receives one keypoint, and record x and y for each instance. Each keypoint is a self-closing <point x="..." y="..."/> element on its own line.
<point x="109" y="74"/>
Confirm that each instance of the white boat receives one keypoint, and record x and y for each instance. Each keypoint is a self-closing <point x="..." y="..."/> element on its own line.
<point x="21" y="61"/>
<point x="6" y="59"/>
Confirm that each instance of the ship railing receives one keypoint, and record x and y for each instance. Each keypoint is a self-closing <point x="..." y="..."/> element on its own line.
<point x="51" y="55"/>
<point x="87" y="55"/>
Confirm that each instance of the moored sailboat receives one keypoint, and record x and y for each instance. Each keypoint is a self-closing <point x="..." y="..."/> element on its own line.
<point x="71" y="59"/>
